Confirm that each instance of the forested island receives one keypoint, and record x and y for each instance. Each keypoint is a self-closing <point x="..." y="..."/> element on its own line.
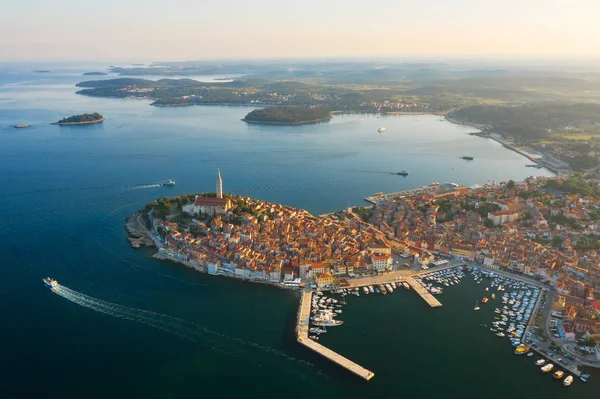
<point x="95" y="73"/>
<point x="290" y="115"/>
<point x="83" y="119"/>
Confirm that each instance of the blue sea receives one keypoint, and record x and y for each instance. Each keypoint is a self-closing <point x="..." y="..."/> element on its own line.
<point x="136" y="327"/>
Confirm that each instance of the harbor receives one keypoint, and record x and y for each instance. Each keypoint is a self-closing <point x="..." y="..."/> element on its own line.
<point x="514" y="302"/>
<point x="302" y="337"/>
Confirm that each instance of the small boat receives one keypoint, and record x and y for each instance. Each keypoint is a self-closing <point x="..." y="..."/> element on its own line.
<point x="547" y="368"/>
<point x="484" y="300"/>
<point x="568" y="381"/>
<point x="559" y="374"/>
<point x="540" y="362"/>
<point x="403" y="173"/>
<point x="530" y="354"/>
<point x="50" y="283"/>
<point x="476" y="306"/>
<point x="522" y="349"/>
<point x="366" y="290"/>
<point x="467" y="157"/>
<point x="500" y="334"/>
<point x="371" y="290"/>
<point x="381" y="129"/>
<point x="169" y="183"/>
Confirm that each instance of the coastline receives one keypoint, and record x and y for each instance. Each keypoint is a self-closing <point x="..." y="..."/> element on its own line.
<point x="139" y="236"/>
<point x="79" y="123"/>
<point x="287" y="123"/>
<point x="486" y="134"/>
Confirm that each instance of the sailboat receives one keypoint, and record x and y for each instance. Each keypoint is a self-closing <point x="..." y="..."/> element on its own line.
<point x="476" y="305"/>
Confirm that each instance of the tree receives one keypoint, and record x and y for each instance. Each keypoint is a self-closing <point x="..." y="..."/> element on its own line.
<point x="510" y="185"/>
<point x="556" y="241"/>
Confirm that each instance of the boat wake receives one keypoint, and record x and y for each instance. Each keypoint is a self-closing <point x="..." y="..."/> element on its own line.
<point x="143" y="186"/>
<point x="239" y="348"/>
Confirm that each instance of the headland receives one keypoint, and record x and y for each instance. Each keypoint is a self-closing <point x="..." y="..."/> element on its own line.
<point x="513" y="238"/>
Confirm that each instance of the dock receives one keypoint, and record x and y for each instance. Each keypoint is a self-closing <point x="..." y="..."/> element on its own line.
<point x="430" y="299"/>
<point x="302" y="338"/>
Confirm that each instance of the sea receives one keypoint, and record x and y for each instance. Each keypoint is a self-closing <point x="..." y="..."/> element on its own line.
<point x="129" y="326"/>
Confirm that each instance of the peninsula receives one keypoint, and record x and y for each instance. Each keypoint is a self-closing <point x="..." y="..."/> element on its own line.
<point x="542" y="231"/>
<point x="83" y="119"/>
<point x="290" y="115"/>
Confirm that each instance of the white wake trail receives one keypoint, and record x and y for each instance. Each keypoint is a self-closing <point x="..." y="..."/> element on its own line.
<point x="193" y="332"/>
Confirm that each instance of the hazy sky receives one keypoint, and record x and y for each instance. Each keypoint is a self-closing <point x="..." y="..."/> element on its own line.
<point x="197" y="29"/>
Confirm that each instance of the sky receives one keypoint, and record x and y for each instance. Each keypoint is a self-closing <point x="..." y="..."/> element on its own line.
<point x="212" y="29"/>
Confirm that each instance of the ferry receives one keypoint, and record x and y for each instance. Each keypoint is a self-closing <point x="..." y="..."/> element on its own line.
<point x="169" y="183"/>
<point x="540" y="362"/>
<point x="381" y="129"/>
<point x="568" y="381"/>
<point x="547" y="367"/>
<point x="559" y="374"/>
<point x="50" y="283"/>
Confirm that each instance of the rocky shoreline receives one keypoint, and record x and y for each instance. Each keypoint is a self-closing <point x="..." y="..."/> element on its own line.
<point x="137" y="235"/>
<point x="79" y="123"/>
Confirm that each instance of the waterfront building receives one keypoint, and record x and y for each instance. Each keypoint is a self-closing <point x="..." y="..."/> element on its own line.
<point x="381" y="262"/>
<point x="325" y="280"/>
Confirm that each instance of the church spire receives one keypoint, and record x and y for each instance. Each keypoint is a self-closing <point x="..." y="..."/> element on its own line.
<point x="219" y="185"/>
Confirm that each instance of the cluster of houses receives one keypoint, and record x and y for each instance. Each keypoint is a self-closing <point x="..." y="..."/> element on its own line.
<point x="538" y="236"/>
<point x="273" y="243"/>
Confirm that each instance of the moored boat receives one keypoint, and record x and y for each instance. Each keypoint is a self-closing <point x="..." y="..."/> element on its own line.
<point x="522" y="349"/>
<point x="540" y="362"/>
<point x="547" y="368"/>
<point x="558" y="374"/>
<point x="568" y="381"/>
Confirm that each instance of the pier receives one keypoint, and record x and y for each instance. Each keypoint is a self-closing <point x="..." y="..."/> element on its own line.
<point x="419" y="289"/>
<point x="302" y="337"/>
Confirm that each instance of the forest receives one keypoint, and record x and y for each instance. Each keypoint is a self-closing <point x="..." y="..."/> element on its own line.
<point x="83" y="118"/>
<point x="289" y="115"/>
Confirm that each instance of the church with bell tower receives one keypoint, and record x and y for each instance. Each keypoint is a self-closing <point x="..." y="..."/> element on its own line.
<point x="210" y="205"/>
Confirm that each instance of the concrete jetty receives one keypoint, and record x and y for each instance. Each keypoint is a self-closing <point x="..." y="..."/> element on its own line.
<point x="430" y="299"/>
<point x="302" y="337"/>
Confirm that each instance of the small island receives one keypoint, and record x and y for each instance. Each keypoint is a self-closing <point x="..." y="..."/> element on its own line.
<point x="95" y="73"/>
<point x="83" y="119"/>
<point x="290" y="115"/>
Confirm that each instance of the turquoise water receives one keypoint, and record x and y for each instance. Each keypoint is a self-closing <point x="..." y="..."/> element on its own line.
<point x="64" y="194"/>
